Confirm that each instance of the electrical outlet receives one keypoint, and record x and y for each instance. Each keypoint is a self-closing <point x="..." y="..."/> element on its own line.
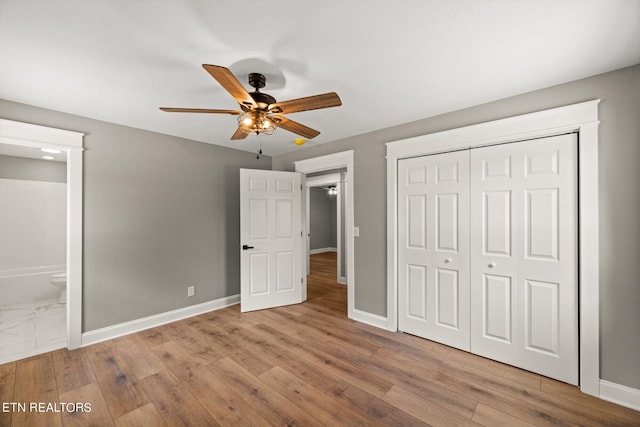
<point x="191" y="291"/>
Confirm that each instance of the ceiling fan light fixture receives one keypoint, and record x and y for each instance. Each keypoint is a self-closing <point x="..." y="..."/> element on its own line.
<point x="257" y="121"/>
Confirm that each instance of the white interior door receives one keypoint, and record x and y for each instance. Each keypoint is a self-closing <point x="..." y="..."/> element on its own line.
<point x="271" y="240"/>
<point x="524" y="288"/>
<point x="433" y="247"/>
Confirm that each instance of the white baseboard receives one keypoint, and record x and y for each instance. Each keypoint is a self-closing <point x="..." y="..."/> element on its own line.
<point x="370" y="319"/>
<point x="620" y="394"/>
<point x="342" y="280"/>
<point x="322" y="250"/>
<point x="115" y="331"/>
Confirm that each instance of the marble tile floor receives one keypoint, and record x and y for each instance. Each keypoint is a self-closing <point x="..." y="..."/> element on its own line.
<point x="32" y="328"/>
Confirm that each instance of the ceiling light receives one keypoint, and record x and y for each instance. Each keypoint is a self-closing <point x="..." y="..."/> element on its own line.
<point x="331" y="191"/>
<point x="51" y="150"/>
<point x="257" y="121"/>
<point x="48" y="157"/>
<point x="298" y="141"/>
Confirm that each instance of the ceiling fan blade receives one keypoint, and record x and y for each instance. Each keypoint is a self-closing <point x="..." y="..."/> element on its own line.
<point x="228" y="81"/>
<point x="200" y="110"/>
<point x="295" y="127"/>
<point x="239" y="134"/>
<point x="315" y="102"/>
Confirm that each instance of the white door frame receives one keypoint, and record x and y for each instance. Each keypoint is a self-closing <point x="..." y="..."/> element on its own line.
<point x="321" y="181"/>
<point x="29" y="135"/>
<point x="339" y="160"/>
<point x="581" y="118"/>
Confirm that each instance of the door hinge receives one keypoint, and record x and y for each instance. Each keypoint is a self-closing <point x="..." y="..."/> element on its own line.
<point x="301" y="280"/>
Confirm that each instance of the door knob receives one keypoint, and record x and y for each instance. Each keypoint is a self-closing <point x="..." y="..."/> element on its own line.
<point x="492" y="264"/>
<point x="447" y="260"/>
<point x="245" y="247"/>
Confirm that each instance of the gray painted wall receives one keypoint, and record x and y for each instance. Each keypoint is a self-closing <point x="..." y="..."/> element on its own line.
<point x="160" y="214"/>
<point x="32" y="169"/>
<point x="322" y="220"/>
<point x="619" y="177"/>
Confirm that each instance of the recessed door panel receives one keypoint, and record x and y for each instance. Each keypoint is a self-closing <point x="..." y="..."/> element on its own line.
<point x="417" y="175"/>
<point x="259" y="274"/>
<point x="496" y="167"/>
<point x="541" y="316"/>
<point x="258" y="225"/>
<point x="447" y="301"/>
<point x="496" y="307"/>
<point x="417" y="221"/>
<point x="541" y="223"/>
<point x="447" y="172"/>
<point x="285" y="185"/>
<point x="447" y="222"/>
<point x="496" y="222"/>
<point x="284" y="271"/>
<point x="284" y="219"/>
<point x="544" y="162"/>
<point x="417" y="289"/>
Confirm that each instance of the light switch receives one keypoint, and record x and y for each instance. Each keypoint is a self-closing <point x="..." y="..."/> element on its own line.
<point x="356" y="231"/>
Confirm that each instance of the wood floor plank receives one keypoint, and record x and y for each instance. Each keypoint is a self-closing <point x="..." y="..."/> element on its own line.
<point x="559" y="407"/>
<point x="325" y="408"/>
<point x="7" y="385"/>
<point x="573" y="394"/>
<point x="116" y="380"/>
<point x="281" y="356"/>
<point x="223" y="402"/>
<point x="378" y="412"/>
<point x="35" y="383"/>
<point x="274" y="407"/>
<point x="72" y="369"/>
<point x="349" y="372"/>
<point x="145" y="416"/>
<point x="138" y="356"/>
<point x="175" y="401"/>
<point x="96" y="414"/>
<point x="425" y="409"/>
<point x="489" y="416"/>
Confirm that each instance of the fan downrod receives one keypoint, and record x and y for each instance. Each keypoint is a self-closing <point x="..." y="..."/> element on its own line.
<point x="257" y="80"/>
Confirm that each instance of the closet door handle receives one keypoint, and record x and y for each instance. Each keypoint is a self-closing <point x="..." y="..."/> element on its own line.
<point x="492" y="264"/>
<point x="245" y="247"/>
<point x="447" y="260"/>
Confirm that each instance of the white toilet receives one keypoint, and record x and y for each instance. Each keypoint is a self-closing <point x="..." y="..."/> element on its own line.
<point x="60" y="280"/>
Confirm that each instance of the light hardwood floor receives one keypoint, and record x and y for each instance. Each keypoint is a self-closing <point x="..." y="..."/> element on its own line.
<point x="299" y="365"/>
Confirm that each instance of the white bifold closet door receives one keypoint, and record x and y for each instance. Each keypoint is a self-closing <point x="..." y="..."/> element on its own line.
<point x="433" y="248"/>
<point x="524" y="255"/>
<point x="487" y="252"/>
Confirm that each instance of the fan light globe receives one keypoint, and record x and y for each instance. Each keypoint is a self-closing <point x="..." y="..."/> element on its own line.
<point x="298" y="141"/>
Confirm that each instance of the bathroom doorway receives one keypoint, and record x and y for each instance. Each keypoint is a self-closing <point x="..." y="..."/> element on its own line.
<point x="21" y="139"/>
<point x="33" y="216"/>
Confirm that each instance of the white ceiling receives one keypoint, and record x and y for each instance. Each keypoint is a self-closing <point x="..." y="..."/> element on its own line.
<point x="390" y="61"/>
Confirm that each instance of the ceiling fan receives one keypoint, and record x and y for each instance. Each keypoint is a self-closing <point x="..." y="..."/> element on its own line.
<point x="259" y="112"/>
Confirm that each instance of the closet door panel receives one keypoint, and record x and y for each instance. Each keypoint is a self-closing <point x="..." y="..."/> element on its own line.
<point x="524" y="222"/>
<point x="433" y="248"/>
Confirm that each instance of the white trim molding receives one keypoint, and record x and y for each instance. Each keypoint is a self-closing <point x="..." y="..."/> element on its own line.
<point x="581" y="118"/>
<point x="322" y="250"/>
<point x="133" y="326"/>
<point x="343" y="159"/>
<point x="620" y="394"/>
<point x="30" y="135"/>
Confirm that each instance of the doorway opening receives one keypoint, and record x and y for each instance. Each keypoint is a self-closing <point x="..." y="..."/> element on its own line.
<point x="342" y="161"/>
<point x="325" y="219"/>
<point x="24" y="136"/>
